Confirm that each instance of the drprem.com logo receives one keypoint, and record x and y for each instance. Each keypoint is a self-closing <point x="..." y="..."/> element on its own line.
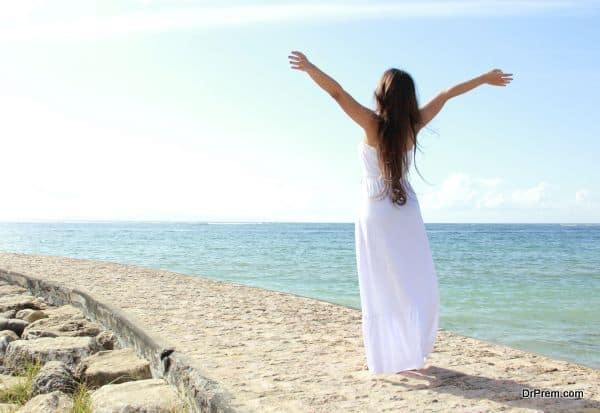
<point x="557" y="394"/>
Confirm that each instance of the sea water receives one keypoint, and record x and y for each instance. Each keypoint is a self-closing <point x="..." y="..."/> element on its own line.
<point x="534" y="287"/>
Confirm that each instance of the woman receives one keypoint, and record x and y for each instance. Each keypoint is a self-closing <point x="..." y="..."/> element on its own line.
<point x="397" y="277"/>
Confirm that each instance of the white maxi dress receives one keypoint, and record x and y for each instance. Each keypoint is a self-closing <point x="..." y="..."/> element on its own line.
<point x="397" y="277"/>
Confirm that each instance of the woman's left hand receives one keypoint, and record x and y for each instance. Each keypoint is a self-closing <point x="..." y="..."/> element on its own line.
<point x="497" y="77"/>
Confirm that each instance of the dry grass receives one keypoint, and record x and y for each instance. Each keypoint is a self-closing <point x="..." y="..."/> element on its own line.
<point x="20" y="393"/>
<point x="81" y="400"/>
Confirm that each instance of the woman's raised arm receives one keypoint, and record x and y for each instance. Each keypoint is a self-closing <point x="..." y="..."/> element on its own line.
<point x="494" y="77"/>
<point x="365" y="117"/>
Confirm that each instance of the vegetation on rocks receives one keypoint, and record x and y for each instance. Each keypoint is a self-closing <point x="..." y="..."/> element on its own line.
<point x="21" y="392"/>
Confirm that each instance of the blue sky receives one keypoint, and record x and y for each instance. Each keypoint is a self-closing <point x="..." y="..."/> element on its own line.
<point x="165" y="110"/>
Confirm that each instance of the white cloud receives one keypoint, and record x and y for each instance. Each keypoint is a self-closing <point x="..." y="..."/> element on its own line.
<point x="460" y="190"/>
<point x="582" y="196"/>
<point x="530" y="197"/>
<point x="31" y="24"/>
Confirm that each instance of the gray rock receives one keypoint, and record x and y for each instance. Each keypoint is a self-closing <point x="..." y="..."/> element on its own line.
<point x="8" y="314"/>
<point x="112" y="366"/>
<point x="61" y="327"/>
<point x="69" y="350"/>
<point x="20" y="302"/>
<point x="64" y="312"/>
<point x="53" y="376"/>
<point x="55" y="402"/>
<point x="13" y="324"/>
<point x="9" y="333"/>
<point x="6" y="336"/>
<point x="30" y="315"/>
<point x="8" y="289"/>
<point x="149" y="396"/>
<point x="107" y="340"/>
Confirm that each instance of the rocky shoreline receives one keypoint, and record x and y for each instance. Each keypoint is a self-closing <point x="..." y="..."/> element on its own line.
<point x="68" y="355"/>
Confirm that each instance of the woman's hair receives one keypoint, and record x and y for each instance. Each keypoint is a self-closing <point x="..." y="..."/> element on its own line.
<point x="398" y="115"/>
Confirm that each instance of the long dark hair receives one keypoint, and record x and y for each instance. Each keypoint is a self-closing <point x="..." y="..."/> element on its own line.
<point x="398" y="115"/>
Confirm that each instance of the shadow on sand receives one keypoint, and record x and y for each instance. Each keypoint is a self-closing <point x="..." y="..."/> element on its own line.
<point x="504" y="391"/>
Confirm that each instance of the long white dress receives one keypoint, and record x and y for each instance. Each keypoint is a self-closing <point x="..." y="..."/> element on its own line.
<point x="397" y="277"/>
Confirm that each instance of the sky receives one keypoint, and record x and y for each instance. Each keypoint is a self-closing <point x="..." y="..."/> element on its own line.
<point x="189" y="111"/>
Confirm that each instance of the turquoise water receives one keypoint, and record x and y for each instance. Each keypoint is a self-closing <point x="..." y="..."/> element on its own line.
<point x="531" y="286"/>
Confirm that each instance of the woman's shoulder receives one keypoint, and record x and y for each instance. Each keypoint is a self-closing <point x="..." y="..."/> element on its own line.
<point x="370" y="141"/>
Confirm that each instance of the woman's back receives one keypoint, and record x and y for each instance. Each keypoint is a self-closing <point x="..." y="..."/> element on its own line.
<point x="372" y="176"/>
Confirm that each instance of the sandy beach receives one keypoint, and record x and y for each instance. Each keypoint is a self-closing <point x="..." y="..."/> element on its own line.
<point x="279" y="352"/>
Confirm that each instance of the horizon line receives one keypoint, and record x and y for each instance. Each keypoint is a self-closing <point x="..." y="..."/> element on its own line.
<point x="208" y="222"/>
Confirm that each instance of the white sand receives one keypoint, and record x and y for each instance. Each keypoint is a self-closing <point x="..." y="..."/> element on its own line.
<point x="277" y="352"/>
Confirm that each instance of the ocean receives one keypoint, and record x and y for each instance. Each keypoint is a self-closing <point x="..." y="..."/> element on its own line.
<point x="535" y="287"/>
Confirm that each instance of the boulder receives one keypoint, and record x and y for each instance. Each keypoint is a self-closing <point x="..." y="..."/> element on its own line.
<point x="70" y="350"/>
<point x="6" y="336"/>
<point x="6" y="381"/>
<point x="13" y="324"/>
<point x="30" y="315"/>
<point x="107" y="340"/>
<point x="112" y="367"/>
<point x="63" y="321"/>
<point x="152" y="395"/>
<point x="20" y="302"/>
<point x="64" y="312"/>
<point x="8" y="289"/>
<point x="8" y="314"/>
<point x="55" y="402"/>
<point x="53" y="376"/>
<point x="61" y="327"/>
<point x="9" y="333"/>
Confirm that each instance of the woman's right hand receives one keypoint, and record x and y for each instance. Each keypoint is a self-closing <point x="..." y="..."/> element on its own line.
<point x="496" y="77"/>
<point x="299" y="61"/>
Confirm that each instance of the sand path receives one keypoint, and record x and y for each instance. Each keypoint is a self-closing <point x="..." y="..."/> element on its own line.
<point x="276" y="352"/>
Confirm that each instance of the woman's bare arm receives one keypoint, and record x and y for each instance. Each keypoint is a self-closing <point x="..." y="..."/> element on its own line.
<point x="360" y="114"/>
<point x="494" y="77"/>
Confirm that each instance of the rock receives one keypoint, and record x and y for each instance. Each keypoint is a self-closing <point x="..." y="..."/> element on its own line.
<point x="6" y="381"/>
<point x="8" y="314"/>
<point x="60" y="327"/>
<point x="107" y="340"/>
<point x="9" y="333"/>
<point x="112" y="366"/>
<point x="55" y="402"/>
<point x="8" y="407"/>
<point x="53" y="376"/>
<point x="64" y="312"/>
<point x="8" y="289"/>
<point x="6" y="336"/>
<point x="13" y="324"/>
<point x="69" y="350"/>
<point x="152" y="395"/>
<point x="62" y="321"/>
<point x="30" y="315"/>
<point x="20" y="301"/>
